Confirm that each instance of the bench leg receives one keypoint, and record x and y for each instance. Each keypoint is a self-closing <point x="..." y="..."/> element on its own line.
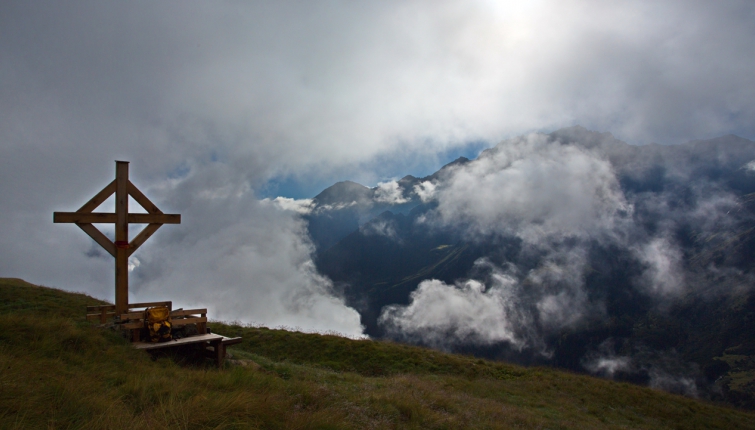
<point x="219" y="352"/>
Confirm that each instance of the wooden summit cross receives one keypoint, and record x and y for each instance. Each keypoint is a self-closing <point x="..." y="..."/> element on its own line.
<point x="121" y="249"/>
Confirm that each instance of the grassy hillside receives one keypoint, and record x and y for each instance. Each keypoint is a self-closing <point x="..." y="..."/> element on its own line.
<point x="59" y="371"/>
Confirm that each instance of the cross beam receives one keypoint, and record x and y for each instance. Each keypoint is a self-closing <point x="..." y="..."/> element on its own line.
<point x="121" y="248"/>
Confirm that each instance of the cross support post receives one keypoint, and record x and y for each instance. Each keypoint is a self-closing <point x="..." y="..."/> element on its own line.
<point x="121" y="248"/>
<point x="121" y="237"/>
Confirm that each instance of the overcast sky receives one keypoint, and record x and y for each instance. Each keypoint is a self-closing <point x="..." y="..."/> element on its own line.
<point x="218" y="104"/>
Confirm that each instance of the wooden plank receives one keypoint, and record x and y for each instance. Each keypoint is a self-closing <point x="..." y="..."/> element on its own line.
<point x="142" y="199"/>
<point x="154" y="218"/>
<point x="169" y="304"/>
<point x="132" y="316"/>
<point x="184" y="321"/>
<point x="110" y="218"/>
<point x="175" y="342"/>
<point x="97" y="315"/>
<point x="227" y="341"/>
<point x="87" y="218"/>
<point x="132" y="325"/>
<point x="98" y="237"/>
<point x="141" y="314"/>
<point x="99" y="308"/>
<point x="183" y="312"/>
<point x="99" y="198"/>
<point x="142" y="237"/>
<point x="104" y="315"/>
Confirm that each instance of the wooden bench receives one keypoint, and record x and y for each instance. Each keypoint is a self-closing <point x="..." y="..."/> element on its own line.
<point x="214" y="345"/>
<point x="134" y="321"/>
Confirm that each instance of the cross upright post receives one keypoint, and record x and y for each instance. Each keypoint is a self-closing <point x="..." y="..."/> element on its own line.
<point x="121" y="237"/>
<point x="121" y="248"/>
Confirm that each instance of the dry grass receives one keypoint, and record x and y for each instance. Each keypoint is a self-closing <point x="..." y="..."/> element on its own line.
<point x="57" y="371"/>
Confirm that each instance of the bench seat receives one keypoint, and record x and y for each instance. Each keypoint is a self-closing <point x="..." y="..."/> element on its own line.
<point x="215" y="345"/>
<point x="175" y="342"/>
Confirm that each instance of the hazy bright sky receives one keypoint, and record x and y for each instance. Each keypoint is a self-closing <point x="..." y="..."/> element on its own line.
<point x="218" y="104"/>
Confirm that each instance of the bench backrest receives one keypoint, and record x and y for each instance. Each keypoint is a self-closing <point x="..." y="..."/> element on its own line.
<point x="134" y="321"/>
<point x="104" y="312"/>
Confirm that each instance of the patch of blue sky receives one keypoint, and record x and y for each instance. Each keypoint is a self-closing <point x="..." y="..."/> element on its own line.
<point x="295" y="187"/>
<point x="180" y="171"/>
<point x="385" y="167"/>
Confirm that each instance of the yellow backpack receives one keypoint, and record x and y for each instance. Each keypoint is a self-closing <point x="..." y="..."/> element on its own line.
<point x="158" y="323"/>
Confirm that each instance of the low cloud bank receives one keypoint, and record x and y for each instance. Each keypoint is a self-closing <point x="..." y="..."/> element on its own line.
<point x="577" y="206"/>
<point x="556" y="200"/>
<point x="508" y="305"/>
<point x="534" y="188"/>
<point x="300" y="206"/>
<point x="663" y="370"/>
<point x="468" y="312"/>
<point x="245" y="260"/>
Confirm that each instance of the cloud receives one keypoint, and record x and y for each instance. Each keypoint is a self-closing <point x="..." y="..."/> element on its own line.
<point x="327" y="208"/>
<point x="252" y="263"/>
<point x="605" y="362"/>
<point x="558" y="199"/>
<point x="507" y="306"/>
<point x="662" y="370"/>
<point x="300" y="206"/>
<point x="569" y="214"/>
<point x="425" y="190"/>
<point x="390" y="192"/>
<point x="608" y="366"/>
<point x="533" y="187"/>
<point x="380" y="227"/>
<point x="133" y="263"/>
<point x="664" y="275"/>
<point x="470" y="312"/>
<point x="674" y="384"/>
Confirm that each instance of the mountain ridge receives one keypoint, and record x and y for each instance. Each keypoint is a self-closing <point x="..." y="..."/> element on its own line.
<point x="685" y="206"/>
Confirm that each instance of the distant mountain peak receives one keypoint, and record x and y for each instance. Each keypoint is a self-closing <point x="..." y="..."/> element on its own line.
<point x="445" y="169"/>
<point x="460" y="160"/>
<point x="343" y="192"/>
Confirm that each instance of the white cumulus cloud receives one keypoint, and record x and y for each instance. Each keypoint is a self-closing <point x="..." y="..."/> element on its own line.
<point x="470" y="312"/>
<point x="534" y="188"/>
<point x="390" y="192"/>
<point x="300" y="206"/>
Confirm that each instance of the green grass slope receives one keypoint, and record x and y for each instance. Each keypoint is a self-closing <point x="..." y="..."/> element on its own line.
<point x="59" y="371"/>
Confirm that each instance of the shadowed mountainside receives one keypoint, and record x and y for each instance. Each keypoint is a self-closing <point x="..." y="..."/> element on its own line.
<point x="655" y="289"/>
